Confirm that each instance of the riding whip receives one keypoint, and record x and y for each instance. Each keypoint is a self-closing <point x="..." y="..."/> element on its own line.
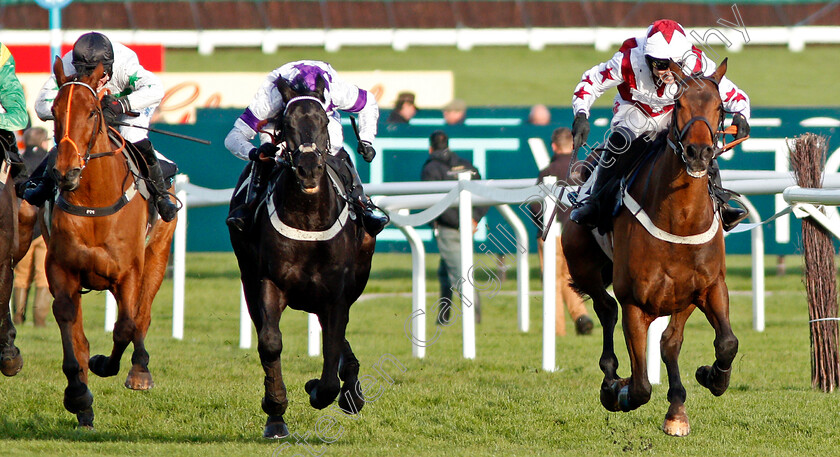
<point x="164" y="132"/>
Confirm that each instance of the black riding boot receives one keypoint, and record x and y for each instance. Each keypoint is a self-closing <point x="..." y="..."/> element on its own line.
<point x="373" y="224"/>
<point x="611" y="165"/>
<point x="41" y="185"/>
<point x="729" y="215"/>
<point x="165" y="207"/>
<point x="243" y="206"/>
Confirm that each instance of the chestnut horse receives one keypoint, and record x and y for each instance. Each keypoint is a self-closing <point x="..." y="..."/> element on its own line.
<point x="99" y="240"/>
<point x="667" y="274"/>
<point x="12" y="248"/>
<point x="304" y="253"/>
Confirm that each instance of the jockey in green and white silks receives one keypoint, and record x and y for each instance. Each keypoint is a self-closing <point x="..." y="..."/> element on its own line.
<point x="135" y="93"/>
<point x="644" y="102"/>
<point x="339" y="95"/>
<point x="13" y="114"/>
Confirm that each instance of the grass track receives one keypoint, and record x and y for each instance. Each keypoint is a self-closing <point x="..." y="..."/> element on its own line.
<point x="516" y="76"/>
<point x="206" y="401"/>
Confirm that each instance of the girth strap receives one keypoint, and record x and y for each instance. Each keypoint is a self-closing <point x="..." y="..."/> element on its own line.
<point x="96" y="212"/>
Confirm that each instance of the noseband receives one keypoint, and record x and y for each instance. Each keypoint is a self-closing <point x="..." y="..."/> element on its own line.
<point x="305" y="147"/>
<point x="98" y="113"/>
<point x="675" y="139"/>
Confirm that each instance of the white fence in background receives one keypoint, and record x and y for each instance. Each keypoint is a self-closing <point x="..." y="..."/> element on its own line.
<point x="537" y="38"/>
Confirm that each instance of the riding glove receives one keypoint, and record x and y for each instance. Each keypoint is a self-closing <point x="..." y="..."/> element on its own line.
<point x="580" y="130"/>
<point x="740" y="121"/>
<point x="113" y="108"/>
<point x="265" y="151"/>
<point x="366" y="151"/>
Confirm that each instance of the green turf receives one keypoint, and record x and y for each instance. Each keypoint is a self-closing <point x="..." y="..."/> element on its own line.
<point x="207" y="394"/>
<point x="516" y="76"/>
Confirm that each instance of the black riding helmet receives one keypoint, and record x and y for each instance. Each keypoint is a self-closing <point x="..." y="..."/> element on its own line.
<point x="91" y="49"/>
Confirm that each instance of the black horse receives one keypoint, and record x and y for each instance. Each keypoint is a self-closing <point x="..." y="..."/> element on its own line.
<point x="304" y="252"/>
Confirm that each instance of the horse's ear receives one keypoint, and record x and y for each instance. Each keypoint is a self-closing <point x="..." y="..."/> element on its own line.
<point x="58" y="71"/>
<point x="320" y="86"/>
<point x="286" y="91"/>
<point x="677" y="71"/>
<point x="721" y="70"/>
<point x="98" y="72"/>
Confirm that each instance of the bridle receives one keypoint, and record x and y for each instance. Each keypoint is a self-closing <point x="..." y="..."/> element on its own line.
<point x="675" y="138"/>
<point x="99" y="122"/>
<point x="304" y="147"/>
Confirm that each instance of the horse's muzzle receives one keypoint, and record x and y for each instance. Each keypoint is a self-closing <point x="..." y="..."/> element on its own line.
<point x="68" y="181"/>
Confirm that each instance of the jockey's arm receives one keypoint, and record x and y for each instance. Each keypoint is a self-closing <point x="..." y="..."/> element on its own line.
<point x="141" y="87"/>
<point x="348" y="97"/>
<point x="14" y="116"/>
<point x="595" y="82"/>
<point x="734" y="99"/>
<point x="46" y="96"/>
<point x="267" y="102"/>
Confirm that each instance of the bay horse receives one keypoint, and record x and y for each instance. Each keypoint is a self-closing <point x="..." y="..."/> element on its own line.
<point x="102" y="236"/>
<point x="680" y="268"/>
<point x="12" y="248"/>
<point x="302" y="252"/>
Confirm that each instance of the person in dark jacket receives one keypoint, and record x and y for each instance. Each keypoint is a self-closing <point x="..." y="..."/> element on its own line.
<point x="445" y="165"/>
<point x="404" y="109"/>
<point x="561" y="144"/>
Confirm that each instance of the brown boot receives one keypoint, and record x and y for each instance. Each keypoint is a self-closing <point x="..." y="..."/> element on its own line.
<point x="41" y="307"/>
<point x="19" y="298"/>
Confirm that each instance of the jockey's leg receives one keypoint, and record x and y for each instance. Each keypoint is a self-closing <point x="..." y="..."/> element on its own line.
<point x="612" y="165"/>
<point x="41" y="184"/>
<point x="242" y="211"/>
<point x="166" y="208"/>
<point x="729" y="215"/>
<point x="372" y="222"/>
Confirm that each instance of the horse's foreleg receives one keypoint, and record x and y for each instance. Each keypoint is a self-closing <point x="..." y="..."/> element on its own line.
<point x="10" y="359"/>
<point x="716" y="377"/>
<point x="322" y="392"/>
<point x="351" y="400"/>
<point x="125" y="294"/>
<point x="629" y="394"/>
<point x="676" y="420"/>
<point x="68" y="314"/>
<point x="266" y="305"/>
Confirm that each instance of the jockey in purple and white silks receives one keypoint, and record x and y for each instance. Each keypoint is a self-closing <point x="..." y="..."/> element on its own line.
<point x="339" y="95"/>
<point x="134" y="95"/>
<point x="643" y="106"/>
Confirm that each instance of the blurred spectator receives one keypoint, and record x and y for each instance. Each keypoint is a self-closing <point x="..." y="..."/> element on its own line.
<point x="540" y="115"/>
<point x="31" y="268"/>
<point x="455" y="112"/>
<point x="561" y="144"/>
<point x="404" y="109"/>
<point x="445" y="165"/>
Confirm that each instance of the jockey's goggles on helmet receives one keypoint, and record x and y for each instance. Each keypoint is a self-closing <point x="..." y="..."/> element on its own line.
<point x="658" y="64"/>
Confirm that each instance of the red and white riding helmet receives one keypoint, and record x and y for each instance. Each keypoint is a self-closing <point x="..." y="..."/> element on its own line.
<point x="666" y="39"/>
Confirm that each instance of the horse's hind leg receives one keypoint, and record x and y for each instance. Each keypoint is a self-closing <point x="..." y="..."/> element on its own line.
<point x="266" y="305"/>
<point x="716" y="377"/>
<point x="10" y="359"/>
<point x="676" y="420"/>
<point x="351" y="399"/>
<point x="68" y="314"/>
<point x="322" y="392"/>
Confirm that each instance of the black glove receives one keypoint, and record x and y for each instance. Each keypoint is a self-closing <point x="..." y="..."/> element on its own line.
<point x="266" y="150"/>
<point x="580" y="130"/>
<point x="740" y="121"/>
<point x="366" y="151"/>
<point x="113" y="108"/>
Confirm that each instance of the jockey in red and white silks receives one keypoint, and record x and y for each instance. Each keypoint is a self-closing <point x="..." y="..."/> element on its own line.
<point x="646" y="90"/>
<point x="338" y="94"/>
<point x="643" y="103"/>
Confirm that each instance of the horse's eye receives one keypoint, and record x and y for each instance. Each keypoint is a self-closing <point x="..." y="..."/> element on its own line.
<point x="92" y="113"/>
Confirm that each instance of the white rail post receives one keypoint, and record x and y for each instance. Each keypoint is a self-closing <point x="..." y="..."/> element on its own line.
<point x="418" y="285"/>
<point x="466" y="280"/>
<point x="314" y="336"/>
<point x="110" y="311"/>
<point x="179" y="259"/>
<point x="654" y="353"/>
<point x="549" y="276"/>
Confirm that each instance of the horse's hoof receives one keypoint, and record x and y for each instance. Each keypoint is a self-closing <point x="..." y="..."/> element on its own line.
<point x="610" y="393"/>
<point x="11" y="366"/>
<point x="139" y="380"/>
<point x="310" y="386"/>
<point x="85" y="419"/>
<point x="78" y="403"/>
<point x="275" y="428"/>
<point x="100" y="366"/>
<point x="714" y="379"/>
<point x="349" y="402"/>
<point x="676" y="424"/>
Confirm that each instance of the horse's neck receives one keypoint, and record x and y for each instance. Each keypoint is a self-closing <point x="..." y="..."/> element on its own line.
<point x="103" y="180"/>
<point x="672" y="198"/>
<point x="305" y="211"/>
